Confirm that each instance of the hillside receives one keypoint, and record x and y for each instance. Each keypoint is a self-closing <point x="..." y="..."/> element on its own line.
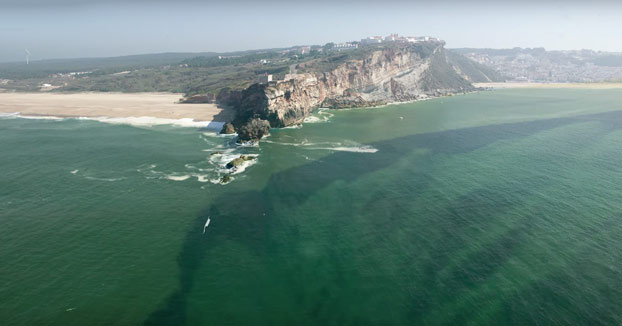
<point x="472" y="70"/>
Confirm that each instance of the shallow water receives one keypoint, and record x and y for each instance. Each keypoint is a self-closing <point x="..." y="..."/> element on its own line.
<point x="498" y="207"/>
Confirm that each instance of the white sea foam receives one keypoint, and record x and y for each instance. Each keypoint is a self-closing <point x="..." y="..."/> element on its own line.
<point x="132" y="121"/>
<point x="222" y="159"/>
<point x="360" y="149"/>
<point x="202" y="178"/>
<point x="178" y="177"/>
<point x="104" y="179"/>
<point x="303" y="143"/>
<point x="214" y="134"/>
<point x="212" y="169"/>
<point x="146" y="167"/>
<point x="322" y="116"/>
<point x="9" y="115"/>
<point x="88" y="177"/>
<point x="325" y="111"/>
<point x="249" y="143"/>
<point x="243" y="166"/>
<point x="354" y="147"/>
<point x="40" y="117"/>
<point x="313" y="119"/>
<point x="151" y="121"/>
<point x="218" y="181"/>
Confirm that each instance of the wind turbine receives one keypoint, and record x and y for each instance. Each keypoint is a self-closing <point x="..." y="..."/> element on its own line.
<point x="27" y="55"/>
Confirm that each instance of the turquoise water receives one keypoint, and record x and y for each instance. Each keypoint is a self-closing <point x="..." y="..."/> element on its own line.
<point x="499" y="207"/>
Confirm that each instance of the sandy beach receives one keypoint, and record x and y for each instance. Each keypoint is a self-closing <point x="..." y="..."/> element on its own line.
<point x="111" y="105"/>
<point x="551" y="85"/>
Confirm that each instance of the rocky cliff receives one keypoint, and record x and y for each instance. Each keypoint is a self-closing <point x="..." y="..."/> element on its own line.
<point x="379" y="75"/>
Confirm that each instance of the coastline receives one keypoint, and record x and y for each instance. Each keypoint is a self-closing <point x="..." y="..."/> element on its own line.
<point x="144" y="108"/>
<point x="603" y="85"/>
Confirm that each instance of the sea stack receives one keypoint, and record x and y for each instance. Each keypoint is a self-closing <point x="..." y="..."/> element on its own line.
<point x="253" y="130"/>
<point x="227" y="128"/>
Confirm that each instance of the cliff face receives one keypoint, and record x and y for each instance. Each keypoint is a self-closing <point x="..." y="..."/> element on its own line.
<point x="390" y="74"/>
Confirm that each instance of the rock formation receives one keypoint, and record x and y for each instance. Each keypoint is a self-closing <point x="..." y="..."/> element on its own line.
<point x="227" y="128"/>
<point x="239" y="161"/>
<point x="400" y="72"/>
<point x="253" y="130"/>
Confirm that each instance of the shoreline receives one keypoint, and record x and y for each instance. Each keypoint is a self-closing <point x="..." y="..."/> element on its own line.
<point x="534" y="85"/>
<point x="142" y="108"/>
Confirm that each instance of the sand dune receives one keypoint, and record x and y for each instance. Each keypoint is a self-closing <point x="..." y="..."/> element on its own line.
<point x="113" y="105"/>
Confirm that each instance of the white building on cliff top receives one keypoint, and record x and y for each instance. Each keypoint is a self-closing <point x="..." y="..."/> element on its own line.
<point x="264" y="79"/>
<point x="372" y="40"/>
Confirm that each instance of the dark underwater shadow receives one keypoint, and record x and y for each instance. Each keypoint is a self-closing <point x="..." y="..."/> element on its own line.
<point x="245" y="219"/>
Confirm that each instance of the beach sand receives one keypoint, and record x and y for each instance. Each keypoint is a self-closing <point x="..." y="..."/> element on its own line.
<point x="111" y="105"/>
<point x="551" y="85"/>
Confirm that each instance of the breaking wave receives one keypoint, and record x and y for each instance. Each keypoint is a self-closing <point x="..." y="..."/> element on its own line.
<point x="151" y="121"/>
<point x="322" y="116"/>
<point x="132" y="121"/>
<point x="213" y="168"/>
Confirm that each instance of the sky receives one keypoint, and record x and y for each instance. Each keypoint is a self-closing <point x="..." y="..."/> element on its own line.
<point x="98" y="28"/>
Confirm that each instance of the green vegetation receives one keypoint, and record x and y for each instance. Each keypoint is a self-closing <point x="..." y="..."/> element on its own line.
<point x="219" y="61"/>
<point x="205" y="74"/>
<point x="441" y="75"/>
<point x="99" y="66"/>
<point x="188" y="73"/>
<point x="177" y="79"/>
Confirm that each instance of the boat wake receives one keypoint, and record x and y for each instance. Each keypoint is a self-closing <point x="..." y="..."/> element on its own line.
<point x="346" y="146"/>
<point x="206" y="225"/>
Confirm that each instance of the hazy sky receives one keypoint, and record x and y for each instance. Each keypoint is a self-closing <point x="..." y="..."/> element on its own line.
<point x="74" y="28"/>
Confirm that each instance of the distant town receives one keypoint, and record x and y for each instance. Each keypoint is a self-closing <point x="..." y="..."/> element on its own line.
<point x="539" y="65"/>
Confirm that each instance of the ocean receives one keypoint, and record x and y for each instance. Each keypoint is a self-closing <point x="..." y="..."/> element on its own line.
<point x="501" y="207"/>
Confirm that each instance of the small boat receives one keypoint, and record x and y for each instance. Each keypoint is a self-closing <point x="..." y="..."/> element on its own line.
<point x="206" y="225"/>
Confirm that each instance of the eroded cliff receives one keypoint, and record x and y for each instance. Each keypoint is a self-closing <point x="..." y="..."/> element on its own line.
<point x="400" y="72"/>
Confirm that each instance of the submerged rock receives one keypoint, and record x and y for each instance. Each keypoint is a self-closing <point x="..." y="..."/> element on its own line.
<point x="239" y="161"/>
<point x="227" y="128"/>
<point x="253" y="130"/>
<point x="225" y="178"/>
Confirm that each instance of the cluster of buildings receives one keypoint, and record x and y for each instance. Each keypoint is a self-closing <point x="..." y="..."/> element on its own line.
<point x="264" y="78"/>
<point x="397" y="38"/>
<point x="297" y="49"/>
<point x="345" y="46"/>
<point x="228" y="56"/>
<point x="71" y="75"/>
<point x="538" y="65"/>
<point x="383" y="39"/>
